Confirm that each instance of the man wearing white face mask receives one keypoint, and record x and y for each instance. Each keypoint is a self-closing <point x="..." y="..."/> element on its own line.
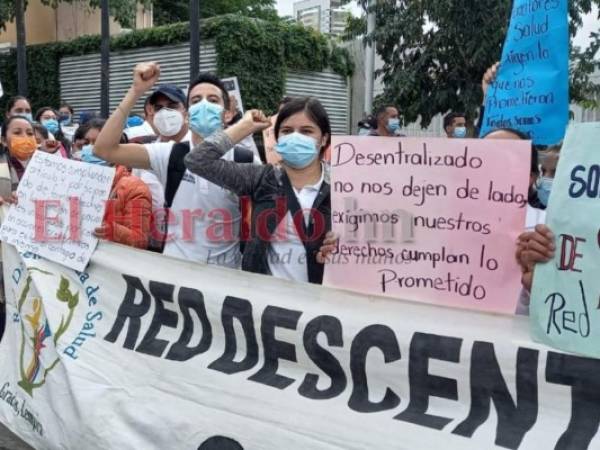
<point x="169" y="115"/>
<point x="204" y="219"/>
<point x="165" y="121"/>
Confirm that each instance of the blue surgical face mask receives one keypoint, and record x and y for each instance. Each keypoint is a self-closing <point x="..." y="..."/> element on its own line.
<point x="363" y="131"/>
<point x="544" y="188"/>
<point x="206" y="118"/>
<point x="297" y="150"/>
<point x="460" y="132"/>
<point x="87" y="155"/>
<point x="51" y="125"/>
<point x="393" y="125"/>
<point x="65" y="119"/>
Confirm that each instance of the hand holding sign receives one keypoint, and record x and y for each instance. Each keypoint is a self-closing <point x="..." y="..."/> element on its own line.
<point x="60" y="203"/>
<point x="488" y="78"/>
<point x="538" y="245"/>
<point x="534" y="247"/>
<point x="329" y="246"/>
<point x="530" y="92"/>
<point x="12" y="200"/>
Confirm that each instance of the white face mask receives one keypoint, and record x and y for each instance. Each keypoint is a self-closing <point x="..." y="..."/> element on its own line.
<point x="168" y="122"/>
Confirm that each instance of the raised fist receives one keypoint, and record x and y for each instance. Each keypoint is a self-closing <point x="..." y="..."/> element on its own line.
<point x="145" y="75"/>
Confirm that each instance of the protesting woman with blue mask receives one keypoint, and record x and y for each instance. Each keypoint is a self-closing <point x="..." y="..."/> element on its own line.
<point x="291" y="206"/>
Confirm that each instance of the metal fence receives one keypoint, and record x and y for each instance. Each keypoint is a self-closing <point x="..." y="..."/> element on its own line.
<point x="80" y="79"/>
<point x="80" y="75"/>
<point x="330" y="88"/>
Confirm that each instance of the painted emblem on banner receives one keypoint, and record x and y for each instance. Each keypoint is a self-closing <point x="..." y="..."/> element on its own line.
<point x="36" y="335"/>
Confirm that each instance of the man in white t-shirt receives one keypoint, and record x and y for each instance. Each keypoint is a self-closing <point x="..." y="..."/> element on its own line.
<point x="165" y="121"/>
<point x="205" y="219"/>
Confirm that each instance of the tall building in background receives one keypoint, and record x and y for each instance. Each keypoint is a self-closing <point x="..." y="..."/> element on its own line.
<point x="326" y="16"/>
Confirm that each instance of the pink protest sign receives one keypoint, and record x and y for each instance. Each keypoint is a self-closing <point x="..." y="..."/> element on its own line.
<point x="429" y="220"/>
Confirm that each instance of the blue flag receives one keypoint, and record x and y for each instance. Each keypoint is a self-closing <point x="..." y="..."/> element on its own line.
<point x="531" y="91"/>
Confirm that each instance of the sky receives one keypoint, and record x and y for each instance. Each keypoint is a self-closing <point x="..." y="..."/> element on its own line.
<point x="590" y="22"/>
<point x="286" y="7"/>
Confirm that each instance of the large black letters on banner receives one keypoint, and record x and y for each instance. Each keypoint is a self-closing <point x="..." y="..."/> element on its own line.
<point x="515" y="416"/>
<point x="374" y="336"/>
<point x="220" y="443"/>
<point x="150" y="345"/>
<point x="130" y="310"/>
<point x="191" y="300"/>
<point x="423" y="385"/>
<point x="275" y="350"/>
<point x="583" y="375"/>
<point x="240" y="309"/>
<point x="488" y="385"/>
<point x="324" y="360"/>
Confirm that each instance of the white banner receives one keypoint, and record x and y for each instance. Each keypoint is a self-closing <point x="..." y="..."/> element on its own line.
<point x="147" y="352"/>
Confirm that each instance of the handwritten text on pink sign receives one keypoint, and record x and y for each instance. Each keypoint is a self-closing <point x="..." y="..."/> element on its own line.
<point x="432" y="220"/>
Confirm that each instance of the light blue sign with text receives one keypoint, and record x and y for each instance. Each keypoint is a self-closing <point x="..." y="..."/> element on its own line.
<point x="565" y="300"/>
<point x="531" y="91"/>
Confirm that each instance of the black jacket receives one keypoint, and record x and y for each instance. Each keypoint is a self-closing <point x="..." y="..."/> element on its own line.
<point x="272" y="196"/>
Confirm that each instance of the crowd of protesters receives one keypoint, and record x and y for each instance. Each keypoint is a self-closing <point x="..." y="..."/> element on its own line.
<point x="191" y="184"/>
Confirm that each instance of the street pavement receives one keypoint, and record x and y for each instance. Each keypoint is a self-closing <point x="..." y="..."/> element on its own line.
<point x="9" y="441"/>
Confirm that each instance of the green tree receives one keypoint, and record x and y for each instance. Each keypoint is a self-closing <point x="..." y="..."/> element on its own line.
<point x="171" y="11"/>
<point x="436" y="51"/>
<point x="122" y="10"/>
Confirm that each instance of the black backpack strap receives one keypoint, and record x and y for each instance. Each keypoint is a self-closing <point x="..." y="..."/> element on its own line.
<point x="243" y="155"/>
<point x="175" y="170"/>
